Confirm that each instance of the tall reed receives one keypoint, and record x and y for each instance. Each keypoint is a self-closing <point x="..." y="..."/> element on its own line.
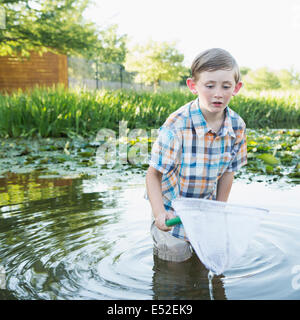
<point x="55" y="112"/>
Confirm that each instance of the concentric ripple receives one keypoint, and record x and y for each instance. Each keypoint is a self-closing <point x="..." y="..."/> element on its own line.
<point x="90" y="239"/>
<point x="269" y="261"/>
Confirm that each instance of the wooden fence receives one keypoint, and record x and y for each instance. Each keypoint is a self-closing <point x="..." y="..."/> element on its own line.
<point x="46" y="70"/>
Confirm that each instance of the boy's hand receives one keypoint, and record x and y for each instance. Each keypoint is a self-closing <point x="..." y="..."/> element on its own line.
<point x="160" y="220"/>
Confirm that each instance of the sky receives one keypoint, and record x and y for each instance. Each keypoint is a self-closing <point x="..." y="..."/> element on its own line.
<point x="258" y="33"/>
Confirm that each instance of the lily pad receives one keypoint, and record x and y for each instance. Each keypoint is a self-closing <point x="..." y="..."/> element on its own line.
<point x="269" y="169"/>
<point x="268" y="159"/>
<point x="286" y="159"/>
<point x="86" y="154"/>
<point x="294" y="174"/>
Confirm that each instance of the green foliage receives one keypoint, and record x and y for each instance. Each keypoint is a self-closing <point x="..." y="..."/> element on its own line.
<point x="268" y="109"/>
<point x="289" y="78"/>
<point x="265" y="79"/>
<point x="156" y="62"/>
<point x="106" y="61"/>
<point x="261" y="79"/>
<point x="244" y="70"/>
<point x="274" y="153"/>
<point x="285" y="78"/>
<point x="185" y="74"/>
<point x="113" y="47"/>
<point x="79" y="68"/>
<point x="58" y="112"/>
<point x="44" y="25"/>
<point x="269" y="159"/>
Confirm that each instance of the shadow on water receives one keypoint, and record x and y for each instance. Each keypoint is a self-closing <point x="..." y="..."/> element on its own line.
<point x="184" y="280"/>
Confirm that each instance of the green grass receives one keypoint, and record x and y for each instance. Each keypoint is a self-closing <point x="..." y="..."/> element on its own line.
<point x="56" y="112"/>
<point x="268" y="109"/>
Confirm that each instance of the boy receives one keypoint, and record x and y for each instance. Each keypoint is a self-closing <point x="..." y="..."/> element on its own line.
<point x="198" y="149"/>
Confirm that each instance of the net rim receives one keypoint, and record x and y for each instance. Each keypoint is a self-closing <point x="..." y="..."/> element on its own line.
<point x="221" y="204"/>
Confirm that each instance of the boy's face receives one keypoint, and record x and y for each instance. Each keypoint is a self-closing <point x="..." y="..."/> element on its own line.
<point x="214" y="89"/>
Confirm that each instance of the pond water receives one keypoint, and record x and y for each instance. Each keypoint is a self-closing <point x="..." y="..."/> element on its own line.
<point x="87" y="237"/>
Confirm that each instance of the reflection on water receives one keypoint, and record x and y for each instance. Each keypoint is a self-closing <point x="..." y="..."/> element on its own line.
<point x="88" y="238"/>
<point x="185" y="280"/>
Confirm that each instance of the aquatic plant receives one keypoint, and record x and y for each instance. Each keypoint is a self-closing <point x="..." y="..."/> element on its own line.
<point x="57" y="112"/>
<point x="272" y="155"/>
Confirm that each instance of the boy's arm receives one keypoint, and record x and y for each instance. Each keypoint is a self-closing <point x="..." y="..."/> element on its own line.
<point x="224" y="186"/>
<point x="154" y="192"/>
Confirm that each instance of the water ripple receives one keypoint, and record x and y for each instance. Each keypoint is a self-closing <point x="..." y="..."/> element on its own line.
<point x="90" y="243"/>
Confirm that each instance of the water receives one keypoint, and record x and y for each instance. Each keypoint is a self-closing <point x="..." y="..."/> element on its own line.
<point x="210" y="284"/>
<point x="88" y="238"/>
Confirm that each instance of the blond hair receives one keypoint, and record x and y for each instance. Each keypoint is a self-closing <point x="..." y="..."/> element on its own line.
<point x="212" y="60"/>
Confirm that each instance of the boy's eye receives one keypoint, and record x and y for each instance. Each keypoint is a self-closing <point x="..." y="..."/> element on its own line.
<point x="211" y="86"/>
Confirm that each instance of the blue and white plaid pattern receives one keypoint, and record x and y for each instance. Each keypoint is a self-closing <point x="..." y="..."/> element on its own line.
<point x="192" y="158"/>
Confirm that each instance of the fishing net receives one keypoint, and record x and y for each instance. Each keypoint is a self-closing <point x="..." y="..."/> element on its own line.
<point x="218" y="231"/>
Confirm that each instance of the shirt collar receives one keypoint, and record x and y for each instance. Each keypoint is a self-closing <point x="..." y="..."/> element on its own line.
<point x="200" y="124"/>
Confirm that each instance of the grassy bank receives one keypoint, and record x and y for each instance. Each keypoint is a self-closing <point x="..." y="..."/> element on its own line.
<point x="58" y="112"/>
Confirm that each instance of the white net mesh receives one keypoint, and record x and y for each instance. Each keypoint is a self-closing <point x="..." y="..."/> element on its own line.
<point x="219" y="232"/>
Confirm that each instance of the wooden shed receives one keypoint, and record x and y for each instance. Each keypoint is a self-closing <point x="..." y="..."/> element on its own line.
<point x="42" y="70"/>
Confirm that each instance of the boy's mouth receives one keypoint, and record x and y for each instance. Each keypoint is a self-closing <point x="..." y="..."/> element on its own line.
<point x="217" y="103"/>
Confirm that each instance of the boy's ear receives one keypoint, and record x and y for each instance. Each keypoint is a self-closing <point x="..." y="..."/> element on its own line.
<point x="237" y="88"/>
<point x="191" y="85"/>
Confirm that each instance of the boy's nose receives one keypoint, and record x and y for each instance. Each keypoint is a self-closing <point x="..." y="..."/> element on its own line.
<point x="218" y="94"/>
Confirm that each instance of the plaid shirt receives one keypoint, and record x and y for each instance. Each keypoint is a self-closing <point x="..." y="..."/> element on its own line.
<point x="192" y="157"/>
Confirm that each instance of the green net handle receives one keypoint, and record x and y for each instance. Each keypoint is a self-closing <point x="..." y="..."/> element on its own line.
<point x="173" y="222"/>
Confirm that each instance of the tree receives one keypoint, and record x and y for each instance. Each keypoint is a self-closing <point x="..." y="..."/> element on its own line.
<point x="289" y="79"/>
<point x="285" y="78"/>
<point x="296" y="79"/>
<point x="105" y="61"/>
<point x="244" y="70"/>
<point x="112" y="48"/>
<point x="186" y="74"/>
<point x="261" y="78"/>
<point x="154" y="62"/>
<point x="46" y="25"/>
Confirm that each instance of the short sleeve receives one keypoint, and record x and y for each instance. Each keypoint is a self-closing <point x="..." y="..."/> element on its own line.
<point x="166" y="150"/>
<point x="240" y="151"/>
